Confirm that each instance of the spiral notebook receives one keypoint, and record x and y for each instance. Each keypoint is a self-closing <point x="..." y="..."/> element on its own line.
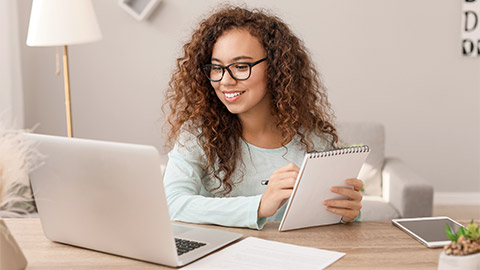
<point x="319" y="172"/>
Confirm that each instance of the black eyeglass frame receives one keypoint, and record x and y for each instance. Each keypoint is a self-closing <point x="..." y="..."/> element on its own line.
<point x="251" y="65"/>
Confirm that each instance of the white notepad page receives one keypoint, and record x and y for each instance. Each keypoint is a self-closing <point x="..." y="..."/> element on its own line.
<point x="317" y="175"/>
<point x="256" y="253"/>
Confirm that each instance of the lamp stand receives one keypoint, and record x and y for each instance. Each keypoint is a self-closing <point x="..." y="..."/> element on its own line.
<point x="67" y="92"/>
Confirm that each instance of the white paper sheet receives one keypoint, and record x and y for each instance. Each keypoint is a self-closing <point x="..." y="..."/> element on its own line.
<point x="256" y="253"/>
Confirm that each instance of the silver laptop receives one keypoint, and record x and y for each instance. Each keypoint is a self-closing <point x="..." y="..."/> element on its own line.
<point x="110" y="197"/>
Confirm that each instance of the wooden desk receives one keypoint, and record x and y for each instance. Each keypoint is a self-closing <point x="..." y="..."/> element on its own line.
<point x="369" y="245"/>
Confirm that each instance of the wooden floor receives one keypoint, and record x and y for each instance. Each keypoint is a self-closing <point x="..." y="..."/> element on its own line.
<point x="457" y="212"/>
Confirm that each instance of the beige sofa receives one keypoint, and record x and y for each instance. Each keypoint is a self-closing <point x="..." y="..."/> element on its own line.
<point x="391" y="189"/>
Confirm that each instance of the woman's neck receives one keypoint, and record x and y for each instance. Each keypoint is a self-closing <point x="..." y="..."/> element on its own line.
<point x="260" y="130"/>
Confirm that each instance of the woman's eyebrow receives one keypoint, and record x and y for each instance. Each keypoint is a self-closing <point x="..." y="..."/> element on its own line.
<point x="242" y="57"/>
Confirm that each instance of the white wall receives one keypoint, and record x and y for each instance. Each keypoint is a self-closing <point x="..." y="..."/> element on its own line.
<point x="393" y="61"/>
<point x="11" y="94"/>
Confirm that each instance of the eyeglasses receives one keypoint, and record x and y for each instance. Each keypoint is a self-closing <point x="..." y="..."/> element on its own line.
<point x="240" y="71"/>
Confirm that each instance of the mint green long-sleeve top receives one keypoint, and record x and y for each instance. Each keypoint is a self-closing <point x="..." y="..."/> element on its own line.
<point x="187" y="184"/>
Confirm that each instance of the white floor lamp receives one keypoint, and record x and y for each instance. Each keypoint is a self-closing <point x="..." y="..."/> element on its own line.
<point x="63" y="23"/>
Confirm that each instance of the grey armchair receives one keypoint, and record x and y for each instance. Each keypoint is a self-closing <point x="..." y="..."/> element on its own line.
<point x="391" y="190"/>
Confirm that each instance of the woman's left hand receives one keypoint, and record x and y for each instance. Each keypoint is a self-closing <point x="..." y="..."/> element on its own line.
<point x="349" y="208"/>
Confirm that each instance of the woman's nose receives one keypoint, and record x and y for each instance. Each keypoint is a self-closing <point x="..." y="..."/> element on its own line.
<point x="228" y="79"/>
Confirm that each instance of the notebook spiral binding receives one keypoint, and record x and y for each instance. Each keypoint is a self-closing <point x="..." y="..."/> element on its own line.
<point x="340" y="151"/>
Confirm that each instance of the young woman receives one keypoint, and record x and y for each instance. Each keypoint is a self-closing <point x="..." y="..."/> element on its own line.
<point x="246" y="104"/>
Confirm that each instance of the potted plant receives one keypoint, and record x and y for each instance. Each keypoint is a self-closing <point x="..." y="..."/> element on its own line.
<point x="464" y="250"/>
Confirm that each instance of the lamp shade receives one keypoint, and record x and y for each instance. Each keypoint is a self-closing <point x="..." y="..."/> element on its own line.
<point x="62" y="22"/>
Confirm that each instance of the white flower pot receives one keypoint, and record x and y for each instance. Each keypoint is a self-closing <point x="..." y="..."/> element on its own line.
<point x="468" y="262"/>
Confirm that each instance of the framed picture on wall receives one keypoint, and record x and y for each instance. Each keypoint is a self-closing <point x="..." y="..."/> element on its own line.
<point x="139" y="9"/>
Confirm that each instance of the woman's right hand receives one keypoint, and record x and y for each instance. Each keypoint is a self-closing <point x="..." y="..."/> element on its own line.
<point x="279" y="189"/>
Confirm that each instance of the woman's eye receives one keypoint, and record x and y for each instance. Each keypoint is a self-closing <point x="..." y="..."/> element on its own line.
<point x="216" y="68"/>
<point x="241" y="67"/>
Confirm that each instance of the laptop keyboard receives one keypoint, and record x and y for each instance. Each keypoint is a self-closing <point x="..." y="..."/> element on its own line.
<point x="184" y="246"/>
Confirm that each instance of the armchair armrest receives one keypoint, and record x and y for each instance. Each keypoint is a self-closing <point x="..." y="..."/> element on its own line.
<point x="410" y="194"/>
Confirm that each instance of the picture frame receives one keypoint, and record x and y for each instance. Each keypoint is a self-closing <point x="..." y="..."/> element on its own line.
<point x="139" y="9"/>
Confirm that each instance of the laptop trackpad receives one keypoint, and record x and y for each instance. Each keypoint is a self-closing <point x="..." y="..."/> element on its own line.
<point x="178" y="229"/>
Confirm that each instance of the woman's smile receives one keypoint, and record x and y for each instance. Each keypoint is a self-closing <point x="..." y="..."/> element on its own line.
<point x="232" y="96"/>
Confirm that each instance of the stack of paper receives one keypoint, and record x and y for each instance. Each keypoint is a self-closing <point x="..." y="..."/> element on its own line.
<point x="256" y="253"/>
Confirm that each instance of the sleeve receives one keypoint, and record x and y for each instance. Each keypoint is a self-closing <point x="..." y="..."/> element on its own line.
<point x="183" y="186"/>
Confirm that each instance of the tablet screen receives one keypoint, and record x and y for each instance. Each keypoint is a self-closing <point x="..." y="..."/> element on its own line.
<point x="431" y="230"/>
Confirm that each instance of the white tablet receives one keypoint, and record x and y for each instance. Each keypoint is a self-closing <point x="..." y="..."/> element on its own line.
<point x="429" y="231"/>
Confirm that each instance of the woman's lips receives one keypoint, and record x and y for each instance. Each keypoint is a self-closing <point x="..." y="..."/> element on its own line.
<point x="233" y="95"/>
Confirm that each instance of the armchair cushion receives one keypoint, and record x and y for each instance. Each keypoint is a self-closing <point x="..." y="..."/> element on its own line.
<point x="409" y="193"/>
<point x="376" y="208"/>
<point x="373" y="135"/>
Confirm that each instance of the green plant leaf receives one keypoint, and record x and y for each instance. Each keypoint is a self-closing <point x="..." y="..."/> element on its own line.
<point x="450" y="233"/>
<point x="472" y="232"/>
<point x="461" y="231"/>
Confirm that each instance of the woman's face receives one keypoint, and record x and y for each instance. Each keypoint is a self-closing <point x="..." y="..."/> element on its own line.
<point x="250" y="96"/>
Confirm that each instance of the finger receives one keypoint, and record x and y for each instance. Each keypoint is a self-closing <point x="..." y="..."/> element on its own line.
<point x="347" y="219"/>
<point x="282" y="183"/>
<point x="350" y="214"/>
<point x="287" y="183"/>
<point x="346" y="204"/>
<point x="286" y="175"/>
<point x="356" y="183"/>
<point x="289" y="167"/>
<point x="350" y="193"/>
<point x="292" y="166"/>
<point x="284" y="179"/>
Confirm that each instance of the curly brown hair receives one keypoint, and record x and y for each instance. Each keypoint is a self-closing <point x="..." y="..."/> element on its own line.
<point x="299" y="100"/>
